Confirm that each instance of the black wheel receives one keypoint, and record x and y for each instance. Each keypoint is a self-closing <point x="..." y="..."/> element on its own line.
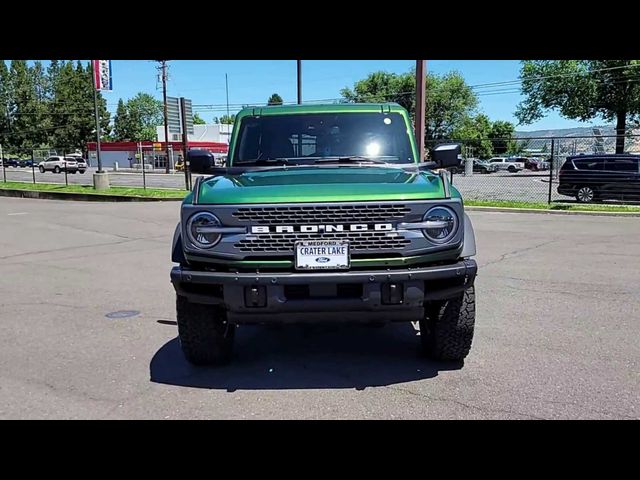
<point x="512" y="169"/>
<point x="205" y="335"/>
<point x="81" y="171"/>
<point x="585" y="194"/>
<point x="446" y="332"/>
<point x="41" y="168"/>
<point x="56" y="169"/>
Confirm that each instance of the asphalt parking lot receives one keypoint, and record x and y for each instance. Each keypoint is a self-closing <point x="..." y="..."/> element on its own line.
<point x="557" y="331"/>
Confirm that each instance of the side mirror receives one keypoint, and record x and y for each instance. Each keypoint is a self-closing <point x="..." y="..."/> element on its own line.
<point x="446" y="155"/>
<point x="200" y="161"/>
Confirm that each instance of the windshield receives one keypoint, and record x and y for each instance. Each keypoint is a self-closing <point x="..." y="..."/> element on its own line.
<point x="307" y="138"/>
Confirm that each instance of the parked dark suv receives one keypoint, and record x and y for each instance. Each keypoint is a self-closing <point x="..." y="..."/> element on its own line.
<point x="600" y="177"/>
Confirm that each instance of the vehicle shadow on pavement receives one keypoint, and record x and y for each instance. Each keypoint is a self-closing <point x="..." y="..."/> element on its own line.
<point x="306" y="357"/>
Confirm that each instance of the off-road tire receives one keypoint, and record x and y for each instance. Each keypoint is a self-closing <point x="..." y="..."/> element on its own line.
<point x="205" y="336"/>
<point x="446" y="332"/>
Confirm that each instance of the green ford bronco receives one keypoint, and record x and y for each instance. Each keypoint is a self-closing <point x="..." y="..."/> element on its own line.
<point x="324" y="213"/>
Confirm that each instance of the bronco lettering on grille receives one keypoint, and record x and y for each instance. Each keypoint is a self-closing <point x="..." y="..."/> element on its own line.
<point x="356" y="227"/>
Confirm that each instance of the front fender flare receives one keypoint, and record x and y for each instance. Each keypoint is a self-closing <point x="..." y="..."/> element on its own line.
<point x="469" y="242"/>
<point x="177" y="253"/>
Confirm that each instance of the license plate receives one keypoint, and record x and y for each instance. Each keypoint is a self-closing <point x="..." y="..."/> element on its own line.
<point x="322" y="255"/>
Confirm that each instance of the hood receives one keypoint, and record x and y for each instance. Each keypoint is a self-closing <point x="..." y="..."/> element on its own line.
<point x="321" y="185"/>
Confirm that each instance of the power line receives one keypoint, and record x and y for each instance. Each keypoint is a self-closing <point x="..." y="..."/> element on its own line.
<point x="508" y="82"/>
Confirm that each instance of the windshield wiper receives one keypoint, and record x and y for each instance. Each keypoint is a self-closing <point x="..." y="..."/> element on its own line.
<point x="265" y="161"/>
<point x="352" y="159"/>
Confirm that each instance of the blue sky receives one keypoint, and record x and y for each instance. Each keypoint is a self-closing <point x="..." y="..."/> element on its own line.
<point x="253" y="81"/>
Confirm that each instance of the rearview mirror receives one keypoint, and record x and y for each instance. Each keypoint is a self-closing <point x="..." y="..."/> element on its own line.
<point x="446" y="155"/>
<point x="200" y="161"/>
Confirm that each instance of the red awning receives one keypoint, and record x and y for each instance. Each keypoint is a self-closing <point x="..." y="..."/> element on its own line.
<point x="214" y="147"/>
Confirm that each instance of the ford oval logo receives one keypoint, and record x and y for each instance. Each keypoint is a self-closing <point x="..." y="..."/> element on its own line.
<point x="323" y="260"/>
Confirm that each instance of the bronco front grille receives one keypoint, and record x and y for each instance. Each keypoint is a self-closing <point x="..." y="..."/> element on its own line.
<point x="310" y="214"/>
<point x="358" y="241"/>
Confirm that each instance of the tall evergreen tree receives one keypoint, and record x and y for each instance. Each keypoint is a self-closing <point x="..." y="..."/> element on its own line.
<point x="40" y="117"/>
<point x="5" y="91"/>
<point x="74" y="108"/>
<point x="121" y="122"/>
<point x="21" y="106"/>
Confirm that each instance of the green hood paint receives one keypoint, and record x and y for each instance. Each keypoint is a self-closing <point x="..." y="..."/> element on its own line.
<point x="312" y="185"/>
<point x="325" y="184"/>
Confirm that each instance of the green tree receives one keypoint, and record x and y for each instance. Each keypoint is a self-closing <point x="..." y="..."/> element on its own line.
<point x="274" y="99"/>
<point x="225" y="119"/>
<point x="502" y="137"/>
<point x="137" y="119"/>
<point x="40" y="117"/>
<point x="518" y="146"/>
<point x="73" y="111"/>
<point x="121" y="122"/>
<point x="384" y="87"/>
<point x="581" y="90"/>
<point x="5" y="93"/>
<point x="474" y="133"/>
<point x="449" y="100"/>
<point x="198" y="120"/>
<point x="21" y="104"/>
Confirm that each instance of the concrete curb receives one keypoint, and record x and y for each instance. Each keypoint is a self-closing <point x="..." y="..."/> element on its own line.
<point x="81" y="197"/>
<point x="552" y="212"/>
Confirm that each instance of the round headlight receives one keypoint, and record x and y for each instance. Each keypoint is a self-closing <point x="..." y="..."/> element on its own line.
<point x="444" y="224"/>
<point x="199" y="229"/>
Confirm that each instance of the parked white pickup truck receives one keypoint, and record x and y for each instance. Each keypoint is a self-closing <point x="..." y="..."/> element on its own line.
<point x="509" y="164"/>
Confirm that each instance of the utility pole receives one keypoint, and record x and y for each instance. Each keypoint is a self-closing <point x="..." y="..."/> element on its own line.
<point x="4" y="167"/>
<point x="421" y="72"/>
<point x="95" y="104"/>
<point x="226" y="82"/>
<point x="185" y="146"/>
<point x="163" y="66"/>
<point x="100" y="178"/>
<point x="299" y="63"/>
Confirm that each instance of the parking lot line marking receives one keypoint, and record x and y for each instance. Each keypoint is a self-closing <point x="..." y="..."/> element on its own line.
<point x="17" y="213"/>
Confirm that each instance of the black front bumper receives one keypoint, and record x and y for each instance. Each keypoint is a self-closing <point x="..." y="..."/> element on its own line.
<point x="311" y="296"/>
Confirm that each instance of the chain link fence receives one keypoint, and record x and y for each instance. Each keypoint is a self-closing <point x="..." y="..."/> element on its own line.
<point x="527" y="169"/>
<point x="61" y="166"/>
<point x="508" y="169"/>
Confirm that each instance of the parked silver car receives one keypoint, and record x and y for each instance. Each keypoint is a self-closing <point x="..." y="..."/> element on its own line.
<point x="57" y="164"/>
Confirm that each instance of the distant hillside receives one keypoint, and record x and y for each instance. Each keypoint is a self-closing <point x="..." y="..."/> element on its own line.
<point x="567" y="132"/>
<point x="581" y="145"/>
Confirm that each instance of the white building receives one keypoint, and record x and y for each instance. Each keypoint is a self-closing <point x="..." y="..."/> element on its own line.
<point x="216" y="132"/>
